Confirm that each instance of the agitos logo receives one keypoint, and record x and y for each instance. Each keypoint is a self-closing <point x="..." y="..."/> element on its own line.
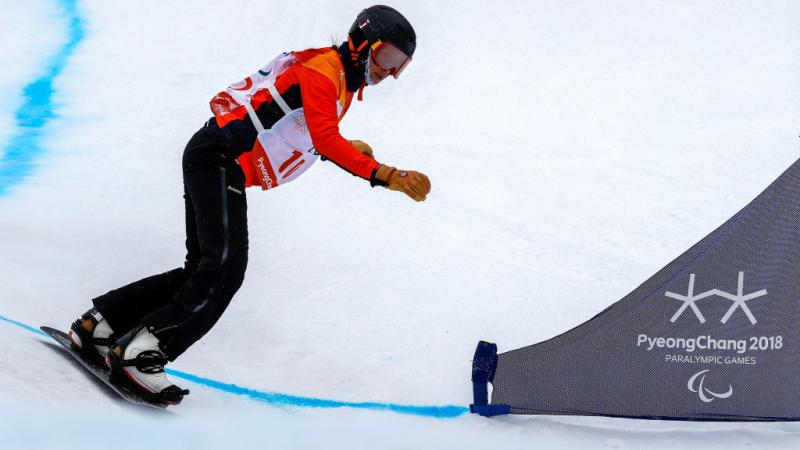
<point x="697" y="384"/>
<point x="739" y="300"/>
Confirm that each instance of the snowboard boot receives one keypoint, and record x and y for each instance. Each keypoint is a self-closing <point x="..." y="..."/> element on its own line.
<point x="91" y="334"/>
<point x="138" y="358"/>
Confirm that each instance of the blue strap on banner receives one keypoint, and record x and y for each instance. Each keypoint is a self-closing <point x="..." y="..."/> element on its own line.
<point x="484" y="365"/>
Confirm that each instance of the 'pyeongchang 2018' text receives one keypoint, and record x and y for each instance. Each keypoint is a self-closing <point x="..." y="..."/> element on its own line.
<point x="707" y="342"/>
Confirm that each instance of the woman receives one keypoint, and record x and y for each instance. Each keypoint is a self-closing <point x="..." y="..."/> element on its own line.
<point x="266" y="131"/>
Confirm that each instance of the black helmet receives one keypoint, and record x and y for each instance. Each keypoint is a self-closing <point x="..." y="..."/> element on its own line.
<point x="382" y="23"/>
<point x="373" y="27"/>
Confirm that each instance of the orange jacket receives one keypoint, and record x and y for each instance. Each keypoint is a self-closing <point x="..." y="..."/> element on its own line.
<point x="315" y="83"/>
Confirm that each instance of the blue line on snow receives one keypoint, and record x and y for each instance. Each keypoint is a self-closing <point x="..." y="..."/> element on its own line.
<point x="273" y="398"/>
<point x="20" y="324"/>
<point x="37" y="110"/>
<point x="308" y="402"/>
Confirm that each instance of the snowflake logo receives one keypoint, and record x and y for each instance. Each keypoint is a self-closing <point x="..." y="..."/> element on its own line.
<point x="739" y="300"/>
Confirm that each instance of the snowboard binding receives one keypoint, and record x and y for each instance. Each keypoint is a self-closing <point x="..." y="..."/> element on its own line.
<point x="137" y="359"/>
<point x="91" y="335"/>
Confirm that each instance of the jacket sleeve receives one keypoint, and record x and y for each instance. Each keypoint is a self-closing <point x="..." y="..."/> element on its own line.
<point x="319" y="98"/>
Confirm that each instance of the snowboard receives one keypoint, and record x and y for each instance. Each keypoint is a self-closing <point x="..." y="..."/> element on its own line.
<point x="122" y="387"/>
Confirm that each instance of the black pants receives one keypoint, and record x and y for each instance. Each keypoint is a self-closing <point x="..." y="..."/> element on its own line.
<point x="180" y="306"/>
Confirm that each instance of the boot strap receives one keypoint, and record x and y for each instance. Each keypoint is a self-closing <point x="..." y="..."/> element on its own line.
<point x="148" y="361"/>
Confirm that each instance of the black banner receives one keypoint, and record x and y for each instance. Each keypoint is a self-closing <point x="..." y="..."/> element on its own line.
<point x="712" y="336"/>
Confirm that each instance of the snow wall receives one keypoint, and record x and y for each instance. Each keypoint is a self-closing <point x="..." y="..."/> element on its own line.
<point x="712" y="336"/>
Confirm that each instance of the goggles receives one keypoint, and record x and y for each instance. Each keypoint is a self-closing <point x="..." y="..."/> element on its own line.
<point x="390" y="58"/>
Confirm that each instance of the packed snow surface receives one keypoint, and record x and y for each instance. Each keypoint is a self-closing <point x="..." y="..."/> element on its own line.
<point x="574" y="147"/>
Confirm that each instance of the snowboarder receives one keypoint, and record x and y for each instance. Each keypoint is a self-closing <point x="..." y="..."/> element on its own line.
<point x="265" y="131"/>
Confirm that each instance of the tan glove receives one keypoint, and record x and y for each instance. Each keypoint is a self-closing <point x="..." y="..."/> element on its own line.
<point x="414" y="184"/>
<point x="363" y="147"/>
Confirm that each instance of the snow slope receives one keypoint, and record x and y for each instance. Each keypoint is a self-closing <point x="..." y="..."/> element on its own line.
<point x="574" y="149"/>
